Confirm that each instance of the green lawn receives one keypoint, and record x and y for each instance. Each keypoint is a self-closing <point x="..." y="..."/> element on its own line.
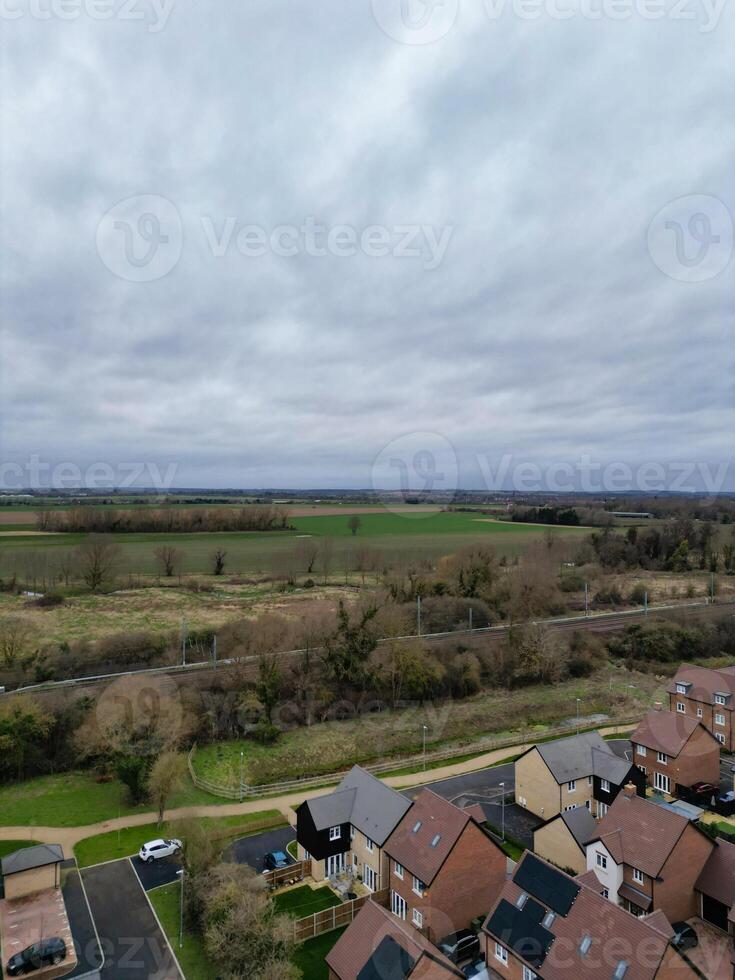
<point x="191" y="955"/>
<point x="302" y="901"/>
<point x="8" y="846"/>
<point x="74" y="799"/>
<point x="117" y="844"/>
<point x="309" y="956"/>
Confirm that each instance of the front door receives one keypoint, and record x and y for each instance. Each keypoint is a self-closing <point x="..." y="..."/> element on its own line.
<point x="335" y="864"/>
<point x="398" y="905"/>
<point x="370" y="878"/>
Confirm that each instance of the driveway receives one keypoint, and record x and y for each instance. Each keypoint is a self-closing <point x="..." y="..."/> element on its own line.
<point x="251" y="850"/>
<point x="161" y="872"/>
<point x="133" y="944"/>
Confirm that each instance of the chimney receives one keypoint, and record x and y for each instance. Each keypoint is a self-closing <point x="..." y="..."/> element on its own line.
<point x="657" y="706"/>
<point x="629" y="791"/>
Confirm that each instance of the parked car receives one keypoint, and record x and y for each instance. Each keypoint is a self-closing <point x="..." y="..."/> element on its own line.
<point x="684" y="936"/>
<point x="275" y="860"/>
<point x="46" y="952"/>
<point x="156" y="849"/>
<point x="474" y="968"/>
<point x="702" y="793"/>
<point x="462" y="945"/>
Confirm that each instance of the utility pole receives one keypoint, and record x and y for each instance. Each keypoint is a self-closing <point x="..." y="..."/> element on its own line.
<point x="425" y="731"/>
<point x="502" y="811"/>
<point x="181" y="874"/>
<point x="578" y="700"/>
<point x="418" y="615"/>
<point x="242" y="758"/>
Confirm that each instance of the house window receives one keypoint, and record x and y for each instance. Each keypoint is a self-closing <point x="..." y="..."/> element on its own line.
<point x="369" y="845"/>
<point x="661" y="782"/>
<point x="501" y="953"/>
<point x="352" y="833"/>
<point x="601" y="810"/>
<point x="355" y="862"/>
<point x="681" y="688"/>
<point x="398" y="870"/>
<point x="528" y="974"/>
<point x="570" y="806"/>
<point x="643" y="769"/>
<point x="307" y="856"/>
<point x="417" y="918"/>
<point x="719" y="698"/>
<point x="604" y="786"/>
<point x="370" y="878"/>
<point x="662" y="758"/>
<point x="719" y="719"/>
<point x="681" y="707"/>
<point x="601" y="861"/>
<point x="572" y="785"/>
<point x="605" y="893"/>
<point x="589" y="780"/>
<point x="335" y="833"/>
<point x="637" y="876"/>
<point x="418" y="886"/>
<point x="398" y="905"/>
<point x="700" y="713"/>
<point x="641" y="749"/>
<point x="720" y="738"/>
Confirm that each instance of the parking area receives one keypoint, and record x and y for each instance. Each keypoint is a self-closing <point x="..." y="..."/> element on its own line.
<point x="84" y="937"/>
<point x="133" y="944"/>
<point x="251" y="850"/>
<point x="157" y="873"/>
<point x="712" y="955"/>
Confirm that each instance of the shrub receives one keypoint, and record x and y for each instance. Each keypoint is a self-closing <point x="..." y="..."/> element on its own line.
<point x="265" y="734"/>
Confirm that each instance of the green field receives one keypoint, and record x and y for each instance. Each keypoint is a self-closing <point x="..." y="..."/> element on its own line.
<point x="191" y="956"/>
<point x="118" y="844"/>
<point x="75" y="799"/>
<point x="398" y="535"/>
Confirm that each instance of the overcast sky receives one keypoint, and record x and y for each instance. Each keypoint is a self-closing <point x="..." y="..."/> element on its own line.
<point x="563" y="186"/>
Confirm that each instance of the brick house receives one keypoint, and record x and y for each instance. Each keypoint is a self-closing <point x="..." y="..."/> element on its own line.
<point x="708" y="696"/>
<point x="581" y="771"/>
<point x="675" y="750"/>
<point x="346" y="829"/>
<point x="377" y="945"/>
<point x="648" y="857"/>
<point x="563" y="839"/>
<point x="445" y="870"/>
<point x="549" y="925"/>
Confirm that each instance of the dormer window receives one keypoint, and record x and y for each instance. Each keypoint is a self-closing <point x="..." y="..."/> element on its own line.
<point x="681" y="688"/>
<point x="335" y="833"/>
<point x="720" y="699"/>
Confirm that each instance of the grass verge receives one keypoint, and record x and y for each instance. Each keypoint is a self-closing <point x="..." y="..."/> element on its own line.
<point x="122" y="843"/>
<point x="194" y="962"/>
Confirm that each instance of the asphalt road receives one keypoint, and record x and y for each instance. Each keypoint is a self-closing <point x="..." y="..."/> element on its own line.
<point x="251" y="850"/>
<point x="89" y="954"/>
<point x="133" y="944"/>
<point x="161" y="872"/>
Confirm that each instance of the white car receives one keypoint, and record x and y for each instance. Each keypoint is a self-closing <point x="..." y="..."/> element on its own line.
<point x="156" y="849"/>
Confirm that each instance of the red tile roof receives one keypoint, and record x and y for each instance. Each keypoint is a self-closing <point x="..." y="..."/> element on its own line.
<point x="640" y="834"/>
<point x="666" y="731"/>
<point x="705" y="682"/>
<point x="614" y="934"/>
<point x="425" y="836"/>
<point x="371" y="926"/>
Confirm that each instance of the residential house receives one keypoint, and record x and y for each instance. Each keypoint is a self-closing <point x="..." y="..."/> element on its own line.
<point x="581" y="771"/>
<point x="708" y="696"/>
<point x="674" y="751"/>
<point x="549" y="925"/>
<point x="445" y="870"/>
<point x="378" y="946"/>
<point x="348" y="828"/>
<point x="563" y="839"/>
<point x="649" y="857"/>
<point x="715" y="888"/>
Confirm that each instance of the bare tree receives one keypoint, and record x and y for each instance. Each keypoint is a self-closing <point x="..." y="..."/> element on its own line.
<point x="218" y="561"/>
<point x="307" y="550"/>
<point x="168" y="559"/>
<point x="98" y="560"/>
<point x="354" y="524"/>
<point x="166" y="777"/>
<point x="16" y="637"/>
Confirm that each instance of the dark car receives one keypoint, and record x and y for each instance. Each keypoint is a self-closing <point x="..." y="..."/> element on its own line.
<point x="474" y="968"/>
<point x="43" y="953"/>
<point x="276" y="859"/>
<point x="462" y="945"/>
<point x="684" y="936"/>
<point x="705" y="791"/>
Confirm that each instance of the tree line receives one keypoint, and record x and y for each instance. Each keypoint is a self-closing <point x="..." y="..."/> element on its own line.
<point x="168" y="520"/>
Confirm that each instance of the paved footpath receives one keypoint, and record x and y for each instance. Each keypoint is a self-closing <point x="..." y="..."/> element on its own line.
<point x="69" y="836"/>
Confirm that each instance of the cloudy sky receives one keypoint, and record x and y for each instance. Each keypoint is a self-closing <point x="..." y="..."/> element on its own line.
<point x="279" y="243"/>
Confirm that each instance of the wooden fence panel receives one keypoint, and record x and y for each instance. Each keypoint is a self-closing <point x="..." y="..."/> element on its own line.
<point x="336" y="917"/>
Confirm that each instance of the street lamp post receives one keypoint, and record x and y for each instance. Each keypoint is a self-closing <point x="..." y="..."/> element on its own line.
<point x="578" y="700"/>
<point x="181" y="875"/>
<point x="242" y="759"/>
<point x="424" y="733"/>
<point x="502" y="812"/>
